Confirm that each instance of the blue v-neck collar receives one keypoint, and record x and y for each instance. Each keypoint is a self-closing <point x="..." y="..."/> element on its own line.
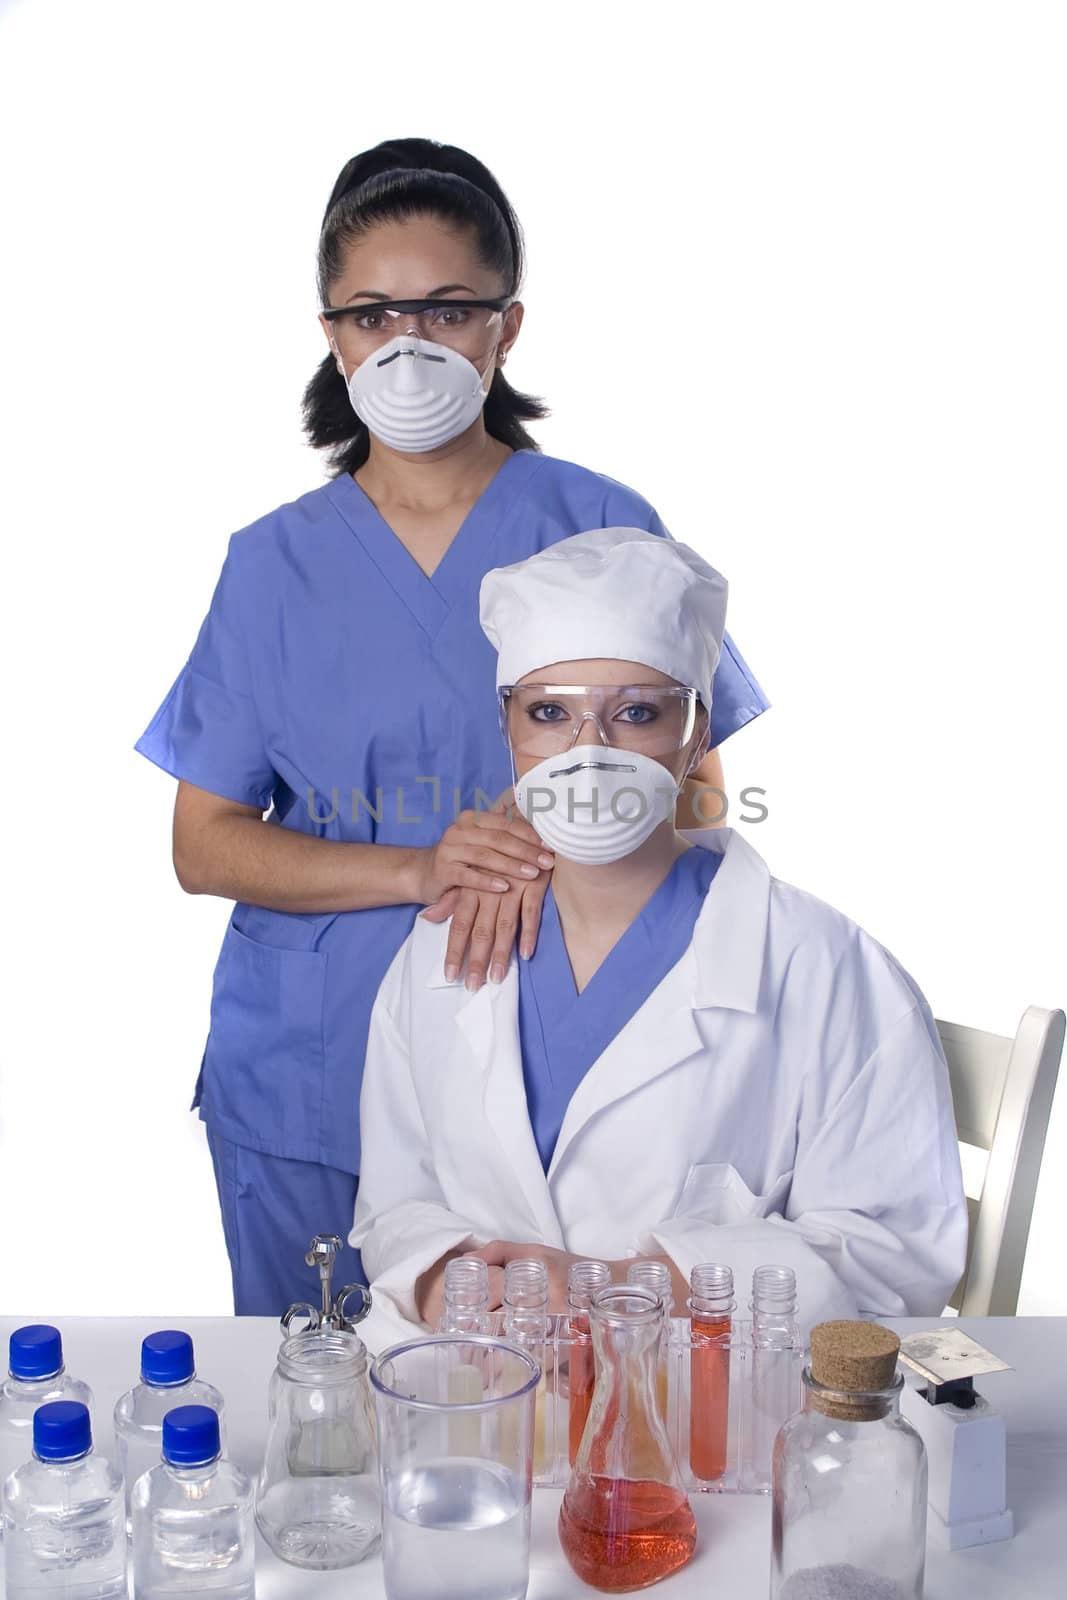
<point x="632" y="960"/>
<point x="469" y="556"/>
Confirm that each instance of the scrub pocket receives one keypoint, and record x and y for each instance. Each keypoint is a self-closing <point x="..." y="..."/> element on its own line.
<point x="717" y="1192"/>
<point x="264" y="1068"/>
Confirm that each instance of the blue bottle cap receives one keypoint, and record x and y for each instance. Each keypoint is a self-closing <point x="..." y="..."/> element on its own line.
<point x="62" y="1431"/>
<point x="167" y="1358"/>
<point x="35" y="1351"/>
<point x="191" y="1436"/>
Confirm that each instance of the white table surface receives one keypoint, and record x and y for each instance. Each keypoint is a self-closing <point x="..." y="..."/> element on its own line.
<point x="732" y="1560"/>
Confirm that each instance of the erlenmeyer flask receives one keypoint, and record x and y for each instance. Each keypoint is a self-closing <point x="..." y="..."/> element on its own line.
<point x="625" y="1521"/>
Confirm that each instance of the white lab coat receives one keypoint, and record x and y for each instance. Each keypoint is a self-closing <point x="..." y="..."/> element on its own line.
<point x="781" y="1097"/>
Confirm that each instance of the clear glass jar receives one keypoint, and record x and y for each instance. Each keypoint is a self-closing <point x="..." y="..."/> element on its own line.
<point x="849" y="1496"/>
<point x="317" y="1499"/>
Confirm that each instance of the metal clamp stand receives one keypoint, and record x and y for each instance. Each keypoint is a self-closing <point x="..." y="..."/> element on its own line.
<point x="334" y="1314"/>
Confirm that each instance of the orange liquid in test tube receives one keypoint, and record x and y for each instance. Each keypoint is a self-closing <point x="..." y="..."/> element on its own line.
<point x="709" y="1383"/>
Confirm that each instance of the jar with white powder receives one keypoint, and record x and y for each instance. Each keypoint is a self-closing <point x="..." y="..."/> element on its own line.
<point x="849" y="1477"/>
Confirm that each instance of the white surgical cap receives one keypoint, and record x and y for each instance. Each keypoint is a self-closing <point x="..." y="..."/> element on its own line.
<point x="620" y="594"/>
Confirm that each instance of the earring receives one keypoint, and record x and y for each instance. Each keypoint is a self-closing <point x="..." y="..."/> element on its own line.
<point x="503" y="357"/>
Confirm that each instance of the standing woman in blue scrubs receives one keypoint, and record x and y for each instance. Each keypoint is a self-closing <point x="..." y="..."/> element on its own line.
<point x="334" y="731"/>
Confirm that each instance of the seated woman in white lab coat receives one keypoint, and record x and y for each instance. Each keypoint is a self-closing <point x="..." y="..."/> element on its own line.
<point x="699" y="1063"/>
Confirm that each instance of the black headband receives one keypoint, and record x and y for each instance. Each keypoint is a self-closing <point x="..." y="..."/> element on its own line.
<point x="346" y="185"/>
<point x="342" y="188"/>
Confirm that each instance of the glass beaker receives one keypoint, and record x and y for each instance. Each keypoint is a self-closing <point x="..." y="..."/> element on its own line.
<point x="317" y="1495"/>
<point x="849" y="1476"/>
<point x="625" y="1521"/>
<point x="456" y="1476"/>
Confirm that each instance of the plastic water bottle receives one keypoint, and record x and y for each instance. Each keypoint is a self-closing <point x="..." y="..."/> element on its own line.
<point x="63" y="1523"/>
<point x="193" y="1525"/>
<point x="168" y="1380"/>
<point x="35" y="1362"/>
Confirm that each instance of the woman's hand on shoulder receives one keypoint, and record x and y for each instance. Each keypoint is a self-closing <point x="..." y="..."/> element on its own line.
<point x="485" y="926"/>
<point x="489" y="851"/>
<point x="486" y="923"/>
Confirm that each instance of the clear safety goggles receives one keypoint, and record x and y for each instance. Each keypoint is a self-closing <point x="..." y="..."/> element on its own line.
<point x="546" y="719"/>
<point x="461" y="324"/>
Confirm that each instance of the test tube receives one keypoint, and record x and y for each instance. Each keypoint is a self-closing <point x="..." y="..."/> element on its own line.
<point x="656" y="1275"/>
<point x="583" y="1281"/>
<point x="466" y="1296"/>
<point x="466" y="1311"/>
<point x="711" y="1304"/>
<point x="526" y="1323"/>
<point x="775" y="1394"/>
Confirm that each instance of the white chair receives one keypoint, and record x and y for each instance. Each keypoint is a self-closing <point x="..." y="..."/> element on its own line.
<point x="1002" y="1094"/>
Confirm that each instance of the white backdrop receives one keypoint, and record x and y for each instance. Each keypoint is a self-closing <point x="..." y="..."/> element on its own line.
<point x="795" y="272"/>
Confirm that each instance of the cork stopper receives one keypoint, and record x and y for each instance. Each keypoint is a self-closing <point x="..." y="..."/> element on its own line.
<point x="852" y="1359"/>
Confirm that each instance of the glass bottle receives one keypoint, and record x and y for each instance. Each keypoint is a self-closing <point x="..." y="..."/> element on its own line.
<point x="64" y="1517"/>
<point x="774" y="1392"/>
<point x="317" y="1501"/>
<point x="36" y="1375"/>
<point x="849" y="1476"/>
<point x="168" y="1380"/>
<point x="711" y="1304"/>
<point x="656" y="1275"/>
<point x="527" y="1324"/>
<point x="583" y="1280"/>
<point x="625" y="1521"/>
<point x="193" y="1528"/>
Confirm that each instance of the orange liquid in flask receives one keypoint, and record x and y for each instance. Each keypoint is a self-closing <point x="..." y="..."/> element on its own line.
<point x="620" y="1534"/>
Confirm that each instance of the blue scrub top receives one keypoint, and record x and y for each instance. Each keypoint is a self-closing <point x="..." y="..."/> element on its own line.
<point x="561" y="1032"/>
<point x="337" y="684"/>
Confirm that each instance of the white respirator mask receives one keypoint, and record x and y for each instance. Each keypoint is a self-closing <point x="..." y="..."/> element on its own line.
<point x="416" y="395"/>
<point x="596" y="803"/>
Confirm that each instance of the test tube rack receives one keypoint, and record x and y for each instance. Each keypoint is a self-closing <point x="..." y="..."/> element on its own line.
<point x="764" y="1389"/>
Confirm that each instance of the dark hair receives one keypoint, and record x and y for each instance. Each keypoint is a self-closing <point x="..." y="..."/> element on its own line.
<point x="397" y="180"/>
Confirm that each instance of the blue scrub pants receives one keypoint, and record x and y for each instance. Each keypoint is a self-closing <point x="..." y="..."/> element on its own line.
<point x="271" y="1210"/>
